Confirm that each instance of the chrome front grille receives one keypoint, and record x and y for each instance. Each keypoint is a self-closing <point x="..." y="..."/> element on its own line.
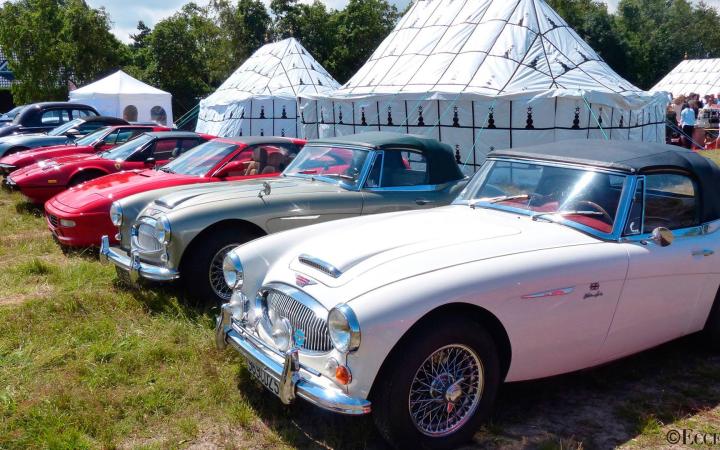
<point x="144" y="236"/>
<point x="301" y="317"/>
<point x="54" y="221"/>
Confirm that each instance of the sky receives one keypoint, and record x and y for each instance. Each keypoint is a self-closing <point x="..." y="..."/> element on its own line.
<point x="125" y="14"/>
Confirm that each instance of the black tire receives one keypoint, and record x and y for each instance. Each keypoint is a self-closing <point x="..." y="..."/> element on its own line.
<point x="391" y="395"/>
<point x="711" y="333"/>
<point x="195" y="271"/>
<point x="82" y="177"/>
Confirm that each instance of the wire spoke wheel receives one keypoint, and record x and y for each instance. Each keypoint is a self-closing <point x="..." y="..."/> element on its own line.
<point x="446" y="390"/>
<point x="217" y="279"/>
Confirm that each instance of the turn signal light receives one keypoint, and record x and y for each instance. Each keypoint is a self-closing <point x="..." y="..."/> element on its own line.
<point x="343" y="375"/>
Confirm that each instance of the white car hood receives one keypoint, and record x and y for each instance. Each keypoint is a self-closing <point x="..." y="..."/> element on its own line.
<point x="377" y="250"/>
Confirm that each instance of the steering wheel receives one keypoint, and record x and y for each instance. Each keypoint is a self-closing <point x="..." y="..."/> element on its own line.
<point x="597" y="208"/>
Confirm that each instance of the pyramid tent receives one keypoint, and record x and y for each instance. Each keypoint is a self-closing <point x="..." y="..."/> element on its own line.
<point x="692" y="76"/>
<point x="260" y="98"/>
<point x="484" y="74"/>
<point x="120" y="95"/>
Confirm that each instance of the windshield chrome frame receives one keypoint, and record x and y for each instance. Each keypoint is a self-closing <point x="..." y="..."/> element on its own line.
<point x="621" y="215"/>
<point x="367" y="165"/>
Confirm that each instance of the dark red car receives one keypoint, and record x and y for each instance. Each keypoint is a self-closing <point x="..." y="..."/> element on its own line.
<point x="101" y="140"/>
<point x="41" y="181"/>
<point x="80" y="216"/>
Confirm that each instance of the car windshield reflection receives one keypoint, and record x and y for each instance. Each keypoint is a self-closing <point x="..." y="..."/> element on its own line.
<point x="573" y="196"/>
<point x="124" y="151"/>
<point x="339" y="165"/>
<point x="92" y="138"/>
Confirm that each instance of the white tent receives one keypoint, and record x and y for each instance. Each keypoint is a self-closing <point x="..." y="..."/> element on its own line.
<point x="483" y="74"/>
<point x="692" y="76"/>
<point x="120" y="95"/>
<point x="260" y="98"/>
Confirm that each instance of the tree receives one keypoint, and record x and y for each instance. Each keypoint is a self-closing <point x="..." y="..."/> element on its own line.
<point x="318" y="30"/>
<point x="186" y="59"/>
<point x="246" y="27"/>
<point x="54" y="43"/>
<point x="361" y="27"/>
<point x="286" y="22"/>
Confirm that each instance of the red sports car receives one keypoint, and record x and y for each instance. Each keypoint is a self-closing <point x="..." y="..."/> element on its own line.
<point x="79" y="216"/>
<point x="41" y="181"/>
<point x="98" y="141"/>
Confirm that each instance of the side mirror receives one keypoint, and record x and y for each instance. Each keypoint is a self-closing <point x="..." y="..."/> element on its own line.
<point x="72" y="132"/>
<point x="662" y="236"/>
<point x="150" y="162"/>
<point x="230" y="168"/>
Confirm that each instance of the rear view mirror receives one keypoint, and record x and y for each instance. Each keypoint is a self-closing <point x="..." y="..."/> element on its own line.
<point x="175" y="153"/>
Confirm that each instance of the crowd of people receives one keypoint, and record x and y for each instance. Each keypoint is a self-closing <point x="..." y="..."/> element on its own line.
<point x="684" y="113"/>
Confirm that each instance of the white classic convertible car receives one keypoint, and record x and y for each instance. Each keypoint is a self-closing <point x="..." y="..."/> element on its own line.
<point x="554" y="258"/>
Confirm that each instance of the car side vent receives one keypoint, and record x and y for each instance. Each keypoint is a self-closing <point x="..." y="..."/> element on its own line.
<point x="320" y="265"/>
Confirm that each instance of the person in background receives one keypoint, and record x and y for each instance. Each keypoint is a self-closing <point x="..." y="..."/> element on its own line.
<point x="687" y="122"/>
<point x="671" y="118"/>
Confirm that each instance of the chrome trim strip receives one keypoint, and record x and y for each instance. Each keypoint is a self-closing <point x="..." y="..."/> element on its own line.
<point x="319" y="265"/>
<point x="133" y="265"/>
<point x="551" y="293"/>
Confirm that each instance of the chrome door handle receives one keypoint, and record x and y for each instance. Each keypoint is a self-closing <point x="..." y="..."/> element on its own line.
<point x="703" y="252"/>
<point x="422" y="201"/>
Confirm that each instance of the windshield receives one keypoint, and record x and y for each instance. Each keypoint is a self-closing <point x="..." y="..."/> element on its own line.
<point x="200" y="159"/>
<point x="93" y="137"/>
<point x="548" y="192"/>
<point x="124" y="151"/>
<point x="12" y="113"/>
<point x="58" y="131"/>
<point x="334" y="164"/>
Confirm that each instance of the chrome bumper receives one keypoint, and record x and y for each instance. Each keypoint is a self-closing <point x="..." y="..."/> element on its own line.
<point x="7" y="169"/>
<point x="9" y="184"/>
<point x="288" y="375"/>
<point x="134" y="266"/>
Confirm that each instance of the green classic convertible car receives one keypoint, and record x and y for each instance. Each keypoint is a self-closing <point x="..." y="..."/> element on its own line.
<point x="185" y="233"/>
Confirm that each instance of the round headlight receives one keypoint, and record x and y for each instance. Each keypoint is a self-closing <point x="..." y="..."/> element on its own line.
<point x="162" y="230"/>
<point x="233" y="271"/>
<point x="344" y="329"/>
<point x="116" y="214"/>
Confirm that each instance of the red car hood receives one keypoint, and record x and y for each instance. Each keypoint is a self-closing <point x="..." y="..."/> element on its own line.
<point x="100" y="192"/>
<point x="27" y="157"/>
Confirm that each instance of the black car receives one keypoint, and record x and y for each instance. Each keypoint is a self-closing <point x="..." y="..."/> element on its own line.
<point x="43" y="117"/>
<point x="62" y="135"/>
<point x="8" y="117"/>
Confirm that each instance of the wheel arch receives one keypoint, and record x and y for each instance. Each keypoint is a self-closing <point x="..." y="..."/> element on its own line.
<point x="476" y="313"/>
<point x="219" y="227"/>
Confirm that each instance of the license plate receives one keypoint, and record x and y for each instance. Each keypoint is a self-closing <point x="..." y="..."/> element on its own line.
<point x="267" y="380"/>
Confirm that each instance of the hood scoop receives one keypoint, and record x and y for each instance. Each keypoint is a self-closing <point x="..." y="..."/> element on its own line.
<point x="320" y="265"/>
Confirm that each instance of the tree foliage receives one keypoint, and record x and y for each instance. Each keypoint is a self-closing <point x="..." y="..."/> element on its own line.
<point x="56" y="43"/>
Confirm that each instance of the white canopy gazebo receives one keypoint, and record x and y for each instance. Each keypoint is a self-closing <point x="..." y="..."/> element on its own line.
<point x="120" y="95"/>
<point x="486" y="74"/>
<point x="692" y="76"/>
<point x="260" y="98"/>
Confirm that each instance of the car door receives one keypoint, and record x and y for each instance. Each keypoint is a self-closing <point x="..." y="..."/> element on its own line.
<point x="164" y="149"/>
<point x="666" y="288"/>
<point x="397" y="181"/>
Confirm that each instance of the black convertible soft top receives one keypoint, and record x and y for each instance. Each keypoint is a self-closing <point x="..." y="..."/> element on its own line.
<point x="440" y="157"/>
<point x="634" y="158"/>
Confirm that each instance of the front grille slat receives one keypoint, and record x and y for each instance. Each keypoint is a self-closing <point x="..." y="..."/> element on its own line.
<point x="300" y="316"/>
<point x="145" y="238"/>
<point x="53" y="220"/>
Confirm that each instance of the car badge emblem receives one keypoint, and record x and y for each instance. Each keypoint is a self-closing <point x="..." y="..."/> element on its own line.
<point x="594" y="291"/>
<point x="118" y="165"/>
<point x="298" y="338"/>
<point x="302" y="281"/>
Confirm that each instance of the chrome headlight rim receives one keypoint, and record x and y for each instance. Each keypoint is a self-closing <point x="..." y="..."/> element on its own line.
<point x="116" y="214"/>
<point x="163" y="231"/>
<point x="233" y="271"/>
<point x="344" y="329"/>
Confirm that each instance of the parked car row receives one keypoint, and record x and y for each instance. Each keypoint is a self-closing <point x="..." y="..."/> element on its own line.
<point x="367" y="274"/>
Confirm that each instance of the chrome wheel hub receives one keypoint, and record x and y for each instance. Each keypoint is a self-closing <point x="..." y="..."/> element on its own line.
<point x="446" y="390"/>
<point x="217" y="279"/>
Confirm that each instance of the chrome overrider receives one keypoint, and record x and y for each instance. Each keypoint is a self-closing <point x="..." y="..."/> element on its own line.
<point x="294" y="378"/>
<point x="134" y="266"/>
